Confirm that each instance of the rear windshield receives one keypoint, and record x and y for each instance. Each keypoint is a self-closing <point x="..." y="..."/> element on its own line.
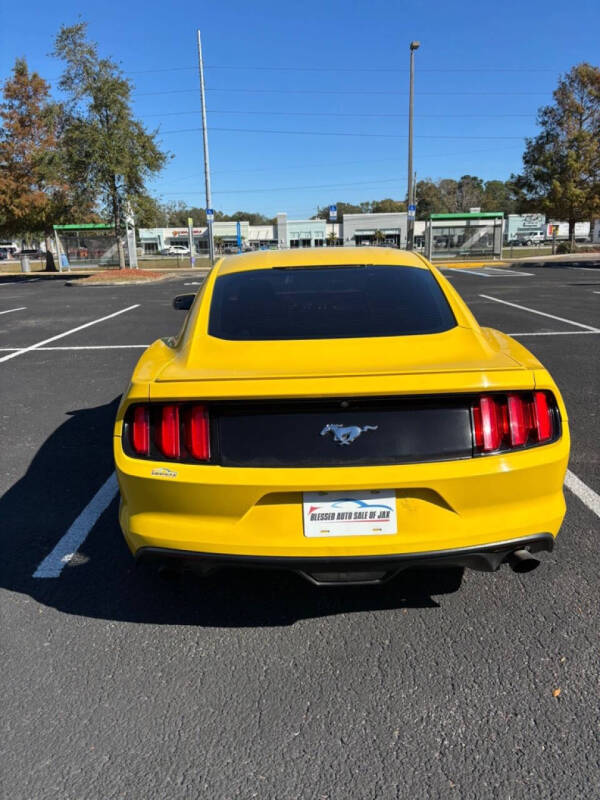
<point x="328" y="303"/>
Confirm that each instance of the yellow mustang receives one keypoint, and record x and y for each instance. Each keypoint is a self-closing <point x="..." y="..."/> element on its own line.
<point x="340" y="413"/>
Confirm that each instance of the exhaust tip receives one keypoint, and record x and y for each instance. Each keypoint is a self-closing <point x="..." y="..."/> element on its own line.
<point x="522" y="561"/>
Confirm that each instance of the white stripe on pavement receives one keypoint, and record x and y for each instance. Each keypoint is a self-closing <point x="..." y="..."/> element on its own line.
<point x="91" y="347"/>
<point x="508" y="272"/>
<point x="66" y="333"/>
<point x="10" y="310"/>
<point x="541" y="313"/>
<point x="583" y="492"/>
<point x="554" y="333"/>
<point x="65" y="549"/>
<point x="468" y="272"/>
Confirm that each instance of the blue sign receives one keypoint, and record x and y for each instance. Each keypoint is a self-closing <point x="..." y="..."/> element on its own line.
<point x="210" y="214"/>
<point x="411" y="210"/>
<point x="333" y="213"/>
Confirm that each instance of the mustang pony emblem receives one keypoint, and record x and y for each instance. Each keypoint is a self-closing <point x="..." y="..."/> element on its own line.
<point x="346" y="435"/>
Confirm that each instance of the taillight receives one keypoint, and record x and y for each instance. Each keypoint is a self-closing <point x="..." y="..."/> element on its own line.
<point x="517" y="419"/>
<point x="169" y="431"/>
<point x="518" y="414"/>
<point x="140" y="431"/>
<point x="490" y="424"/>
<point x="543" y="416"/>
<point x="197" y="438"/>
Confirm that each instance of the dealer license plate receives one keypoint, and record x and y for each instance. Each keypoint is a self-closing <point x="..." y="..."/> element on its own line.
<point x="364" y="513"/>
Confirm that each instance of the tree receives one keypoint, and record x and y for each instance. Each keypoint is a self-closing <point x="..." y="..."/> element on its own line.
<point x="387" y="206"/>
<point x="469" y="193"/>
<point x="148" y="212"/>
<point x="561" y="165"/>
<point x="342" y="208"/>
<point x="34" y="193"/>
<point x="379" y="236"/>
<point x="498" y="196"/>
<point x="109" y="153"/>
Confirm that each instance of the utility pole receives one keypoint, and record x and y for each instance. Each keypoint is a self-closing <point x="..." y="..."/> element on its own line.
<point x="410" y="224"/>
<point x="209" y="208"/>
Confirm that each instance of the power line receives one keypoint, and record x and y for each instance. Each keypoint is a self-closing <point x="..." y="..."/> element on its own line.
<point x="344" y="92"/>
<point x="334" y="114"/>
<point x="342" y="163"/>
<point x="297" y="188"/>
<point x="337" y="133"/>
<point x="258" y="68"/>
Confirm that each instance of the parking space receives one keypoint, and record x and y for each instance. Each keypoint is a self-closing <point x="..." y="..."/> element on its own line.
<point x="258" y="684"/>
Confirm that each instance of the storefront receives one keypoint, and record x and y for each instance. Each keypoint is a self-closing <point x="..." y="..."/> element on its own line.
<point x="375" y="229"/>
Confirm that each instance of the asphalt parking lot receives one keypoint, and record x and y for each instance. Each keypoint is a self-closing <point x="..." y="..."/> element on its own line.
<point x="119" y="684"/>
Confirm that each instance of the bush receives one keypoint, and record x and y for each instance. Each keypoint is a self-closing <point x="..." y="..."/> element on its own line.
<point x="565" y="247"/>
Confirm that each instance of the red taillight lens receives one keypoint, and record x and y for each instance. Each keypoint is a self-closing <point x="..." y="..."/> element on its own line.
<point x="140" y="430"/>
<point x="197" y="438"/>
<point x="168" y="431"/>
<point x="513" y="420"/>
<point x="491" y="421"/>
<point x="519" y="420"/>
<point x="542" y="416"/>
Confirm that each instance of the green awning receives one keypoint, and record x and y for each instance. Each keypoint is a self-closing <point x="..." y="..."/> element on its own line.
<point x="85" y="226"/>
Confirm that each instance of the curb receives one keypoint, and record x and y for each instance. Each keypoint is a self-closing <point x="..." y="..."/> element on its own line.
<point x="134" y="282"/>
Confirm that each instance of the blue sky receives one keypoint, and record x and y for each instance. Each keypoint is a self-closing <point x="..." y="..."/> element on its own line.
<point x="337" y="69"/>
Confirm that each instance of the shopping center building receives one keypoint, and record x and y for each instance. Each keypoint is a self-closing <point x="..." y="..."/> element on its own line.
<point x="356" y="230"/>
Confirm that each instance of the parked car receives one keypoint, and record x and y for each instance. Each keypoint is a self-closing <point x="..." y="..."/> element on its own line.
<point x="339" y="413"/>
<point x="176" y="250"/>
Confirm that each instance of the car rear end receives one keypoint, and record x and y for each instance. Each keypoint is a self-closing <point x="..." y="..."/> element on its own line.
<point x="348" y="458"/>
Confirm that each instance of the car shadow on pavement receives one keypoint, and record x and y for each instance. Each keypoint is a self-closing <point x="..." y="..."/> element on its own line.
<point x="102" y="580"/>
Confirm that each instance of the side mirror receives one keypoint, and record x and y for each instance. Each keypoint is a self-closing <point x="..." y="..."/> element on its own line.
<point x="183" y="302"/>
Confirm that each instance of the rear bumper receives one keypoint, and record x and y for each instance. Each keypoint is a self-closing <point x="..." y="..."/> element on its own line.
<point x="441" y="507"/>
<point x="365" y="569"/>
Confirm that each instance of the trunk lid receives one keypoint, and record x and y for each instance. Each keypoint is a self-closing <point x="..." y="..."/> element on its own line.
<point x="459" y="350"/>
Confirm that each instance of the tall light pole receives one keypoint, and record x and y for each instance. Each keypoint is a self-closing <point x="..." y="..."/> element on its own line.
<point x="209" y="214"/>
<point x="410" y="224"/>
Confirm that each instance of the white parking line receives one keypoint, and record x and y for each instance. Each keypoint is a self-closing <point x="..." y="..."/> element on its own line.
<point x="67" y="546"/>
<point x="10" y="310"/>
<point x="467" y="272"/>
<point x="556" y="333"/>
<point x="66" y="333"/>
<point x="541" y="313"/>
<point x="584" y="493"/>
<point x="83" y="347"/>
<point x="508" y="272"/>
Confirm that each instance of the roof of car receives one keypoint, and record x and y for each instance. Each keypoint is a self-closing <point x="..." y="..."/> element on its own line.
<point x="319" y="257"/>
